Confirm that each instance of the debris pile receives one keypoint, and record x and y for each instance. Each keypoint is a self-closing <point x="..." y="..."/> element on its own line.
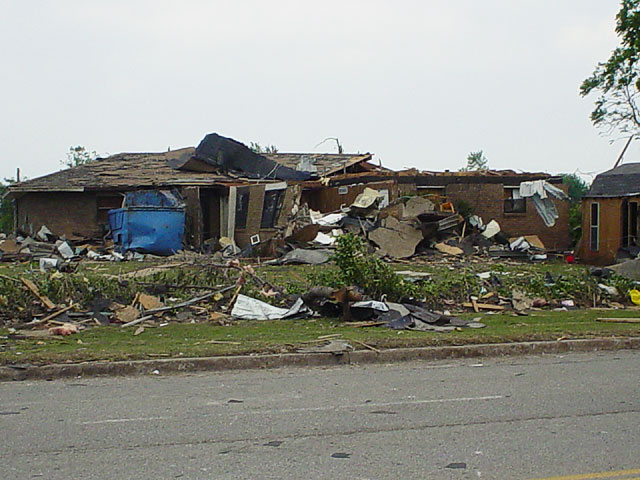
<point x="411" y="227"/>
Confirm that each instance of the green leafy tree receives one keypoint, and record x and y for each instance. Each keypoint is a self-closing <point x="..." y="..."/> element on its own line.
<point x="577" y="186"/>
<point x="476" y="161"/>
<point x="6" y="208"/>
<point x="257" y="148"/>
<point x="577" y="189"/>
<point x="617" y="80"/>
<point x="78" y="156"/>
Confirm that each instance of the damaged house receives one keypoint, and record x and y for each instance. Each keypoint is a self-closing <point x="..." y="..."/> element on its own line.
<point x="226" y="189"/>
<point x="223" y="189"/>
<point x="610" y="215"/>
<point x="511" y="199"/>
<point x="220" y="199"/>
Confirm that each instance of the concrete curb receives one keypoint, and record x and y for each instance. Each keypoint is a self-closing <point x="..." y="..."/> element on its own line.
<point x="185" y="365"/>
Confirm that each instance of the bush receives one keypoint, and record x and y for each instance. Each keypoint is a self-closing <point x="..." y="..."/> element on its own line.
<point x="360" y="268"/>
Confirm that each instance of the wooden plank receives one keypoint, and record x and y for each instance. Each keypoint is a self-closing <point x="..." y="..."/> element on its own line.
<point x="474" y="304"/>
<point x="484" y="306"/>
<point x="43" y="298"/>
<point x="619" y="320"/>
<point x="365" y="345"/>
<point x="51" y="316"/>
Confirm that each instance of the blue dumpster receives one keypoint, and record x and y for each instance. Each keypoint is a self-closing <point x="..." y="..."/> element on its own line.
<point x="151" y="221"/>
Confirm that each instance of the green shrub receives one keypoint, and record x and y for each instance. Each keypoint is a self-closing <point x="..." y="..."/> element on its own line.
<point x="376" y="278"/>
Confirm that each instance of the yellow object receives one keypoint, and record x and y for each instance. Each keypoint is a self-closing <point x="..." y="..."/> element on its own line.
<point x="635" y="296"/>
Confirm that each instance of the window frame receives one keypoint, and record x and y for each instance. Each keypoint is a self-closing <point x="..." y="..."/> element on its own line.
<point x="271" y="213"/>
<point x="594" y="227"/>
<point x="513" y="202"/>
<point x="242" y="207"/>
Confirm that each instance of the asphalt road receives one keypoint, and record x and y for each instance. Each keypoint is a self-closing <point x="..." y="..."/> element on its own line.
<point x="513" y="418"/>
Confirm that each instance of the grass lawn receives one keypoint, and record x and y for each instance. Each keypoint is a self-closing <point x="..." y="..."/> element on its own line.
<point x="281" y="336"/>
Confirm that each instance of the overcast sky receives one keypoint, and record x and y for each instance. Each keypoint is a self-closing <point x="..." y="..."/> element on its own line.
<point x="419" y="83"/>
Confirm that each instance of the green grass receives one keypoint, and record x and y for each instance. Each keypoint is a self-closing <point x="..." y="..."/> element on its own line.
<point x="280" y="336"/>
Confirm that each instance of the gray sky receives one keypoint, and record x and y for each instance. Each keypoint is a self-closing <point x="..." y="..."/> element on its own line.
<point x="419" y="83"/>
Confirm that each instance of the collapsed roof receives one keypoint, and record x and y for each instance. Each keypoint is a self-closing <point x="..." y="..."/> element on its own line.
<point x="227" y="154"/>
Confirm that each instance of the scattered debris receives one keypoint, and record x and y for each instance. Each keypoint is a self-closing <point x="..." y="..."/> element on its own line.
<point x="248" y="308"/>
<point x="64" y="329"/>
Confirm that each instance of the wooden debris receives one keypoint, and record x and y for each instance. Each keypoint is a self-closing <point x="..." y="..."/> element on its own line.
<point x="619" y="320"/>
<point x="484" y="306"/>
<point x="127" y="314"/>
<point x="448" y="249"/>
<point x="474" y="304"/>
<point x="223" y="342"/>
<point x="149" y="302"/>
<point x="365" y="345"/>
<point x="135" y="299"/>
<point x="150" y="313"/>
<point x="50" y="317"/>
<point x="364" y="324"/>
<point x="138" y="331"/>
<point x="43" y="298"/>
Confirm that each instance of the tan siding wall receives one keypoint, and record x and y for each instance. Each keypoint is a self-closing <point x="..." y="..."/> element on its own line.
<point x="610" y="235"/>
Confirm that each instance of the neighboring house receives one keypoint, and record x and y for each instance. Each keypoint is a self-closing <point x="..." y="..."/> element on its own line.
<point x="74" y="202"/>
<point x="610" y="215"/>
<point x="492" y="195"/>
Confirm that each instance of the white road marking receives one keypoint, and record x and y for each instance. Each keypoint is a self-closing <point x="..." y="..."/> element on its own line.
<point x="369" y="405"/>
<point x="123" y="420"/>
<point x="310" y="409"/>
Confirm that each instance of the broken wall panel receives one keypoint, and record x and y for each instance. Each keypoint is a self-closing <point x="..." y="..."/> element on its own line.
<point x="329" y="199"/>
<point x="193" y="216"/>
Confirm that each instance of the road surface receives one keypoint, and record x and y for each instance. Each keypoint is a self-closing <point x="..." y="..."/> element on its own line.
<point x="575" y="415"/>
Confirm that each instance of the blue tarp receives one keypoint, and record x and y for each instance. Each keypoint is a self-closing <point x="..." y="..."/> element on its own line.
<point x="151" y="221"/>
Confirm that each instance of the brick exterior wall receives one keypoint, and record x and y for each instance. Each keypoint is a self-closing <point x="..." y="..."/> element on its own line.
<point x="487" y="201"/>
<point x="64" y="213"/>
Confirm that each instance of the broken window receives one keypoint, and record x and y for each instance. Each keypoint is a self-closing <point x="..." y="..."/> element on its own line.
<point x="271" y="207"/>
<point x="106" y="203"/>
<point x="594" y="230"/>
<point x="513" y="202"/>
<point x="242" y="207"/>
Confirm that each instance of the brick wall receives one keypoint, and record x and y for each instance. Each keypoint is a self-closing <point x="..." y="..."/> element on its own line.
<point x="64" y="213"/>
<point x="487" y="201"/>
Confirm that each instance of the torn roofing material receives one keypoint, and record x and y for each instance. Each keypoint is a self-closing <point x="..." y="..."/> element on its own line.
<point x="122" y="171"/>
<point x="327" y="164"/>
<point x="623" y="181"/>
<point x="227" y="154"/>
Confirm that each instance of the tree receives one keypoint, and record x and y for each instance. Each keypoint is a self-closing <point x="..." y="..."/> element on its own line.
<point x="257" y="148"/>
<point x="577" y="189"/>
<point x="78" y="156"/>
<point x="476" y="161"/>
<point x="618" y="79"/>
<point x="6" y="208"/>
<point x="577" y="186"/>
